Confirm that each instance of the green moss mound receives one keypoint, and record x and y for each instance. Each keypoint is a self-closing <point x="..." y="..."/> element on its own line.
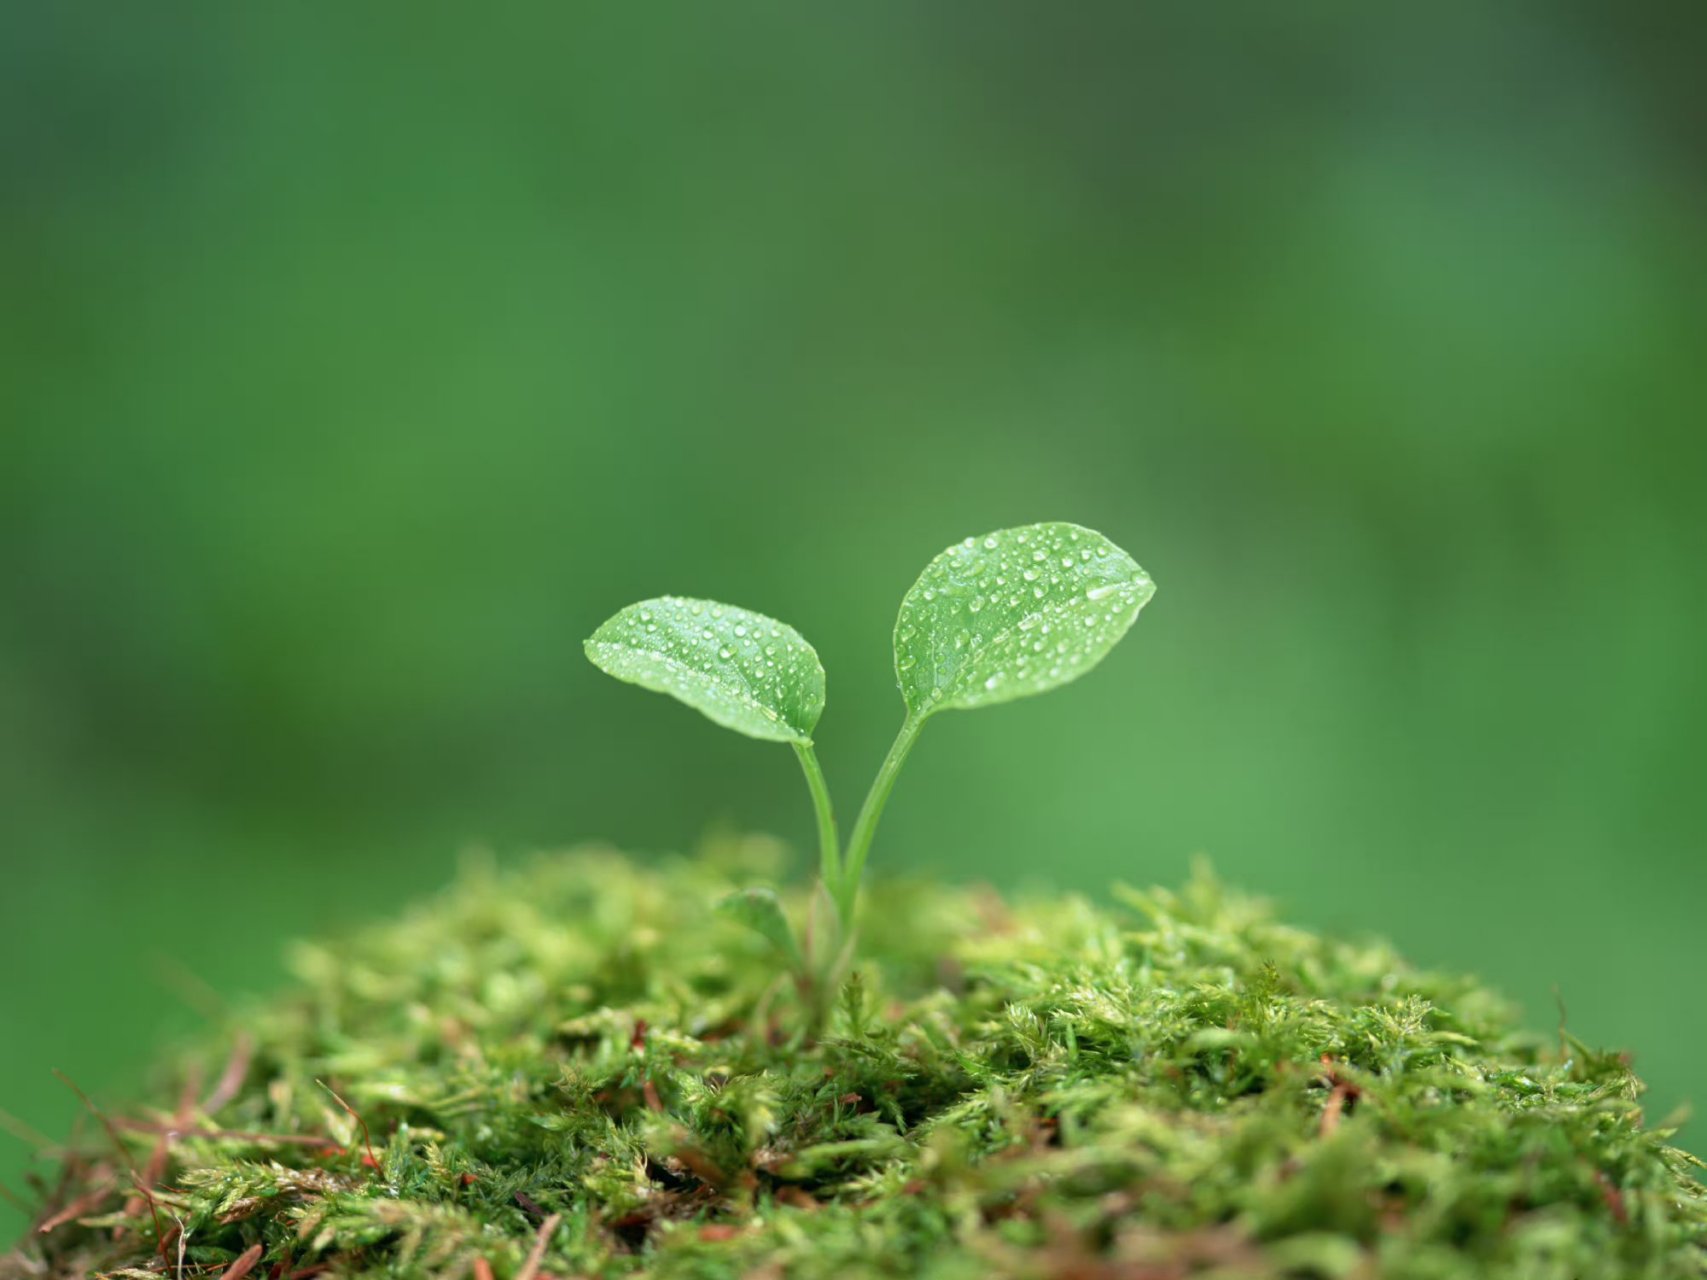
<point x="578" y="1069"/>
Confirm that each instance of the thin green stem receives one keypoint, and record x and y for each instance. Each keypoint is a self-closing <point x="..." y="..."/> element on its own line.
<point x="829" y="844"/>
<point x="846" y="890"/>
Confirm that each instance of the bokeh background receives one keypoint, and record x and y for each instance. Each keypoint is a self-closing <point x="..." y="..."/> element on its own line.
<point x="355" y="363"/>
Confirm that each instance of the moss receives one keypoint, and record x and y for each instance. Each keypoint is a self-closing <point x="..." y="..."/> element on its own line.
<point x="580" y="1069"/>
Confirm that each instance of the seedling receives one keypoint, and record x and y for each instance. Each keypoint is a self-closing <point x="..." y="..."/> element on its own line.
<point x="1014" y="613"/>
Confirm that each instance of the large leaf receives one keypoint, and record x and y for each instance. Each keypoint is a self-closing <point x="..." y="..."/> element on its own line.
<point x="750" y="673"/>
<point x="1013" y="613"/>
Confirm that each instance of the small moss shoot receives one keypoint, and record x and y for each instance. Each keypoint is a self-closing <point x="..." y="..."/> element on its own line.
<point x="579" y="1068"/>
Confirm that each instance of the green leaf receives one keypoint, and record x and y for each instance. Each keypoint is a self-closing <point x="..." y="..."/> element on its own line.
<point x="747" y="672"/>
<point x="1013" y="613"/>
<point x="761" y="911"/>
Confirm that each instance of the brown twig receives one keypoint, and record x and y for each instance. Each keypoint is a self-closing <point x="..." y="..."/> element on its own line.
<point x="155" y="1169"/>
<point x="1343" y="1097"/>
<point x="229" y="1135"/>
<point x="1333" y="1111"/>
<point x="371" y="1160"/>
<point x="536" y="1255"/>
<point x="231" y="1079"/>
<point x="1614" y="1198"/>
<point x="118" y="1146"/>
<point x="245" y="1263"/>
<point x="76" y="1209"/>
<point x="702" y="1167"/>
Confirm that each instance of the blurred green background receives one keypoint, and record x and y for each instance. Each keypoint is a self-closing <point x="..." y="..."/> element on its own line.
<point x="356" y="363"/>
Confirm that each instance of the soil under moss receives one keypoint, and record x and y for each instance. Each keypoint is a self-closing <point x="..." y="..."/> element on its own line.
<point x="578" y="1069"/>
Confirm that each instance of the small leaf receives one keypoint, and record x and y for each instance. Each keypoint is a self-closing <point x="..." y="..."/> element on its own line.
<point x="1013" y="613"/>
<point x="747" y="672"/>
<point x="761" y="911"/>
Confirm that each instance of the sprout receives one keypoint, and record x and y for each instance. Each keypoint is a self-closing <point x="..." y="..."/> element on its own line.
<point x="993" y="618"/>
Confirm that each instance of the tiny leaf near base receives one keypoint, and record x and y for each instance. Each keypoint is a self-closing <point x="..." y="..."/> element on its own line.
<point x="1013" y="613"/>
<point x="744" y="671"/>
<point x="761" y="911"/>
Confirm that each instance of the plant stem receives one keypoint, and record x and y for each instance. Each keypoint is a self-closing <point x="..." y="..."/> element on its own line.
<point x="846" y="890"/>
<point x="829" y="844"/>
